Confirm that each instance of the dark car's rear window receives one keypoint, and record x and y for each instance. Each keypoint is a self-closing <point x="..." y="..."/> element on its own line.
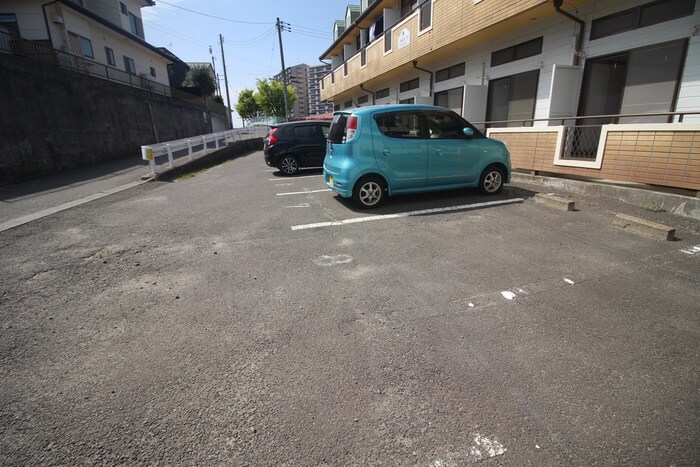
<point x="336" y="135"/>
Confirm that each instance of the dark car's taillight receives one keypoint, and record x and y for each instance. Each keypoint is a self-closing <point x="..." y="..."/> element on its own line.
<point x="272" y="139"/>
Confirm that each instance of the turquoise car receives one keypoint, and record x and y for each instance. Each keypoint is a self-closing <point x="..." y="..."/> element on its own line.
<point x="379" y="151"/>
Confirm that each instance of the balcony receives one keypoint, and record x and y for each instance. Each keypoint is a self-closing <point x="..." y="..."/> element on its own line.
<point x="454" y="26"/>
<point x="44" y="52"/>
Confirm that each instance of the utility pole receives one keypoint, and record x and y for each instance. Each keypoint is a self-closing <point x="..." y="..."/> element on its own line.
<point x="280" y="26"/>
<point x="213" y="65"/>
<point x="228" y="97"/>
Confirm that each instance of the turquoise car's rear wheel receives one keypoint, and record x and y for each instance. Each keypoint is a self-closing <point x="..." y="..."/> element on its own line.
<point x="369" y="192"/>
<point x="491" y="181"/>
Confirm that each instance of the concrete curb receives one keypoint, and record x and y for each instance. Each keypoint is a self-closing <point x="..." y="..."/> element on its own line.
<point x="555" y="202"/>
<point x="685" y="206"/>
<point x="644" y="227"/>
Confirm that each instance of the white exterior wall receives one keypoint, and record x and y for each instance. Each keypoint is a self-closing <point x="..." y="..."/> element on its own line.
<point x="107" y="9"/>
<point x="30" y="18"/>
<point x="133" y="7"/>
<point x="62" y="19"/>
<point x="681" y="28"/>
<point x="559" y="40"/>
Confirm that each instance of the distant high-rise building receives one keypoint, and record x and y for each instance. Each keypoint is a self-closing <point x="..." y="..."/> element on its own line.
<point x="296" y="76"/>
<point x="306" y="80"/>
<point x="314" y="76"/>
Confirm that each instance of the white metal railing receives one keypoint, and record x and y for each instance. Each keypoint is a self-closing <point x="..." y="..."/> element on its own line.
<point x="220" y="139"/>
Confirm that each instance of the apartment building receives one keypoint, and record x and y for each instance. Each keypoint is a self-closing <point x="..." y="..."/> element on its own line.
<point x="101" y="32"/>
<point x="297" y="77"/>
<point x="526" y="63"/>
<point x="314" y="76"/>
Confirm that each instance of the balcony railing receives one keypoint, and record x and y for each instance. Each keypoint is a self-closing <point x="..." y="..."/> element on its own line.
<point x="43" y="51"/>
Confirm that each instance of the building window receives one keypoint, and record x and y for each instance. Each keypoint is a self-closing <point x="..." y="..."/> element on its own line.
<point x="633" y="82"/>
<point x="387" y="40"/>
<point x="513" y="98"/>
<point x="129" y="65"/>
<point x="109" y="53"/>
<point x="641" y="16"/>
<point x="450" y="72"/>
<point x="123" y="9"/>
<point x="362" y="99"/>
<point x="81" y="43"/>
<point x="336" y="107"/>
<point x="345" y="68"/>
<point x="411" y="100"/>
<point x="517" y="52"/>
<point x="408" y="85"/>
<point x="347" y="104"/>
<point x="407" y="7"/>
<point x="332" y="77"/>
<point x="9" y="22"/>
<point x="382" y="93"/>
<point x="426" y="15"/>
<point x="363" y="57"/>
<point x="153" y="72"/>
<point x="136" y="25"/>
<point x="450" y="99"/>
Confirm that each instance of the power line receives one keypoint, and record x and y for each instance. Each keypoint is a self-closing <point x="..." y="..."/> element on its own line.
<point x="304" y="28"/>
<point x="211" y="16"/>
<point x="315" y="36"/>
<point x="179" y="36"/>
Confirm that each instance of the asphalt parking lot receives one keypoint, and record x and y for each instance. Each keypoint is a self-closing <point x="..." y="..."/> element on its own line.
<point x="240" y="317"/>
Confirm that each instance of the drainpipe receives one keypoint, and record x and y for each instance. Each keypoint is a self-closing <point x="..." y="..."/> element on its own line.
<point x="362" y="86"/>
<point x="579" y="36"/>
<point x="415" y="65"/>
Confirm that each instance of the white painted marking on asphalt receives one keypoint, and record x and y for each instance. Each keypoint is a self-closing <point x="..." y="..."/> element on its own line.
<point x="327" y="260"/>
<point x="569" y="281"/>
<point x="305" y="192"/>
<point x="272" y="170"/>
<point x="692" y="250"/>
<point x="508" y="294"/>
<point x="302" y="205"/>
<point x="65" y="206"/>
<point x="485" y="448"/>
<point x="399" y="215"/>
<point x="295" y="178"/>
<point x="284" y="184"/>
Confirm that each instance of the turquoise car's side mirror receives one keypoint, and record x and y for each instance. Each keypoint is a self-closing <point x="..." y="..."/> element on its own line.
<point x="468" y="132"/>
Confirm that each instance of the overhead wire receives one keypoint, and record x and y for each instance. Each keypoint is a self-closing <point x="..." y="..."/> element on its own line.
<point x="212" y="16"/>
<point x="177" y="35"/>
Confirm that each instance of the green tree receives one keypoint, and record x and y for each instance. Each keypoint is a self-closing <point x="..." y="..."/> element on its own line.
<point x="201" y="77"/>
<point x="247" y="107"/>
<point x="270" y="98"/>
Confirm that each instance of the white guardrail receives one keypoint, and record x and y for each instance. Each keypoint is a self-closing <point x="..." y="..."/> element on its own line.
<point x="195" y="144"/>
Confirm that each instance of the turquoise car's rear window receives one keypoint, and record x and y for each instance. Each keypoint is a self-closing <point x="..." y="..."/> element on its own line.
<point x="337" y="133"/>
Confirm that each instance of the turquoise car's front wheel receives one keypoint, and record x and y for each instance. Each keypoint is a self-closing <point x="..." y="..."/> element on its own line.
<point x="491" y="181"/>
<point x="369" y="192"/>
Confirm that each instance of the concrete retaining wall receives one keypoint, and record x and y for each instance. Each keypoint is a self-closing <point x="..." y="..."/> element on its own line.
<point x="53" y="119"/>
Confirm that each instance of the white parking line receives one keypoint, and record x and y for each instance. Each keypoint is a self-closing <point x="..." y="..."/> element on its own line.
<point x="294" y="178"/>
<point x="462" y="207"/>
<point x="302" y="192"/>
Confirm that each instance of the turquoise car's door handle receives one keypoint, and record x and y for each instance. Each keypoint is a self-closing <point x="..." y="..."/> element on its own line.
<point x="386" y="152"/>
<point x="438" y="152"/>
